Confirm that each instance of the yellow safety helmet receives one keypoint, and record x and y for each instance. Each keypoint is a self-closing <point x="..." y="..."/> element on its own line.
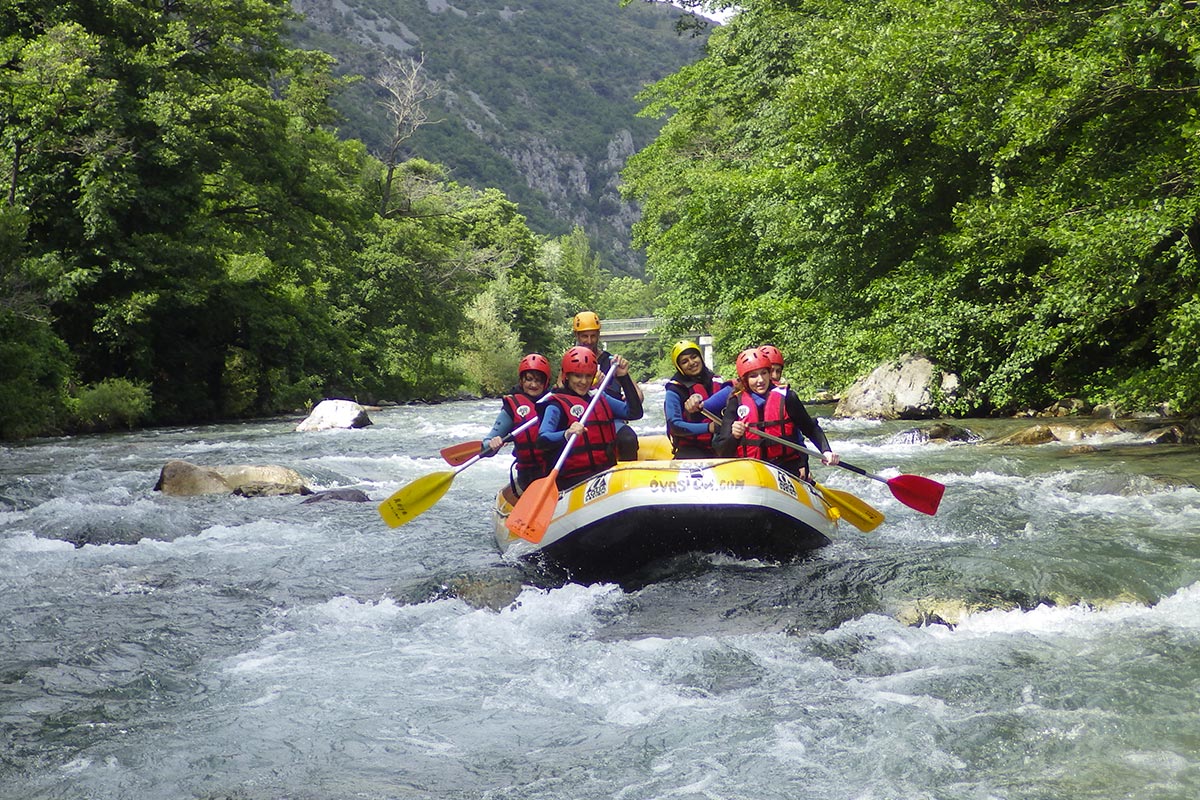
<point x="586" y="321"/>
<point x="682" y="347"/>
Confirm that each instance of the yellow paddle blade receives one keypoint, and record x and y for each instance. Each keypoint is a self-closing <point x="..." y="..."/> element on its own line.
<point x="854" y="510"/>
<point x="415" y="499"/>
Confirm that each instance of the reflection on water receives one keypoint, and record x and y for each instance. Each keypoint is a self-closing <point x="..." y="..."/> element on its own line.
<point x="1035" y="639"/>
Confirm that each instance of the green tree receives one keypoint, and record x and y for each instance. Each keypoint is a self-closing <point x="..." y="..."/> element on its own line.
<point x="36" y="368"/>
<point x="1010" y="189"/>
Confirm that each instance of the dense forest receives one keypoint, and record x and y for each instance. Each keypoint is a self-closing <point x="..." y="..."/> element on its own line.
<point x="1010" y="189"/>
<point x="184" y="236"/>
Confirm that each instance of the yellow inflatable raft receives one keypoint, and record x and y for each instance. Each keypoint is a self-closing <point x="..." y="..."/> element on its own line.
<point x="619" y="522"/>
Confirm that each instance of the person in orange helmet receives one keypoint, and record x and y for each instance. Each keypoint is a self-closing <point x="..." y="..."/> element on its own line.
<point x="517" y="408"/>
<point x="775" y="409"/>
<point x="562" y="410"/>
<point x="586" y="327"/>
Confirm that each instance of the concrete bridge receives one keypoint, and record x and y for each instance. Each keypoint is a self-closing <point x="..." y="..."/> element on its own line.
<point x="637" y="328"/>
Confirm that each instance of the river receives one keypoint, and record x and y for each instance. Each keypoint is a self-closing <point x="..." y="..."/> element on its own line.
<point x="232" y="648"/>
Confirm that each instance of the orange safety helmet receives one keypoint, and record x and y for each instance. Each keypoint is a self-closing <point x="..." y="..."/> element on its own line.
<point x="773" y="354"/>
<point x="586" y="321"/>
<point x="579" y="360"/>
<point x="535" y="362"/>
<point x="750" y="360"/>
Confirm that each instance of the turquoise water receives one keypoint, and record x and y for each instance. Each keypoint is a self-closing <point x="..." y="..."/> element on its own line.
<point x="1038" y="638"/>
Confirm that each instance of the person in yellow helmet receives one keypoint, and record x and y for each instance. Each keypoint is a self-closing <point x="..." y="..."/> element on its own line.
<point x="586" y="327"/>
<point x="693" y="383"/>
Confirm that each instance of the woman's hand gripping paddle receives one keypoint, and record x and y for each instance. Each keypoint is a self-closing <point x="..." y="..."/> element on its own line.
<point x="416" y="498"/>
<point x="916" y="492"/>
<point x="531" y="515"/>
<point x="457" y="454"/>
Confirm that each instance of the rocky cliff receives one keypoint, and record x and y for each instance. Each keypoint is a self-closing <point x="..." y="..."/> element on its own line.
<point x="537" y="96"/>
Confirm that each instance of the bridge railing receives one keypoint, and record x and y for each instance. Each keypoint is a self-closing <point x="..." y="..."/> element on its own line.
<point x="630" y="325"/>
<point x="634" y="328"/>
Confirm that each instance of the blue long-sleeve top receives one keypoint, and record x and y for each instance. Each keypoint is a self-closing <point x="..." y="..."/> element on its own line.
<point x="503" y="425"/>
<point x="673" y="410"/>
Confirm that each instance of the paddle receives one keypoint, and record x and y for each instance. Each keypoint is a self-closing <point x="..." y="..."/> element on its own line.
<point x="916" y="492"/>
<point x="532" y="514"/>
<point x="419" y="496"/>
<point x="854" y="510"/>
<point x="456" y="454"/>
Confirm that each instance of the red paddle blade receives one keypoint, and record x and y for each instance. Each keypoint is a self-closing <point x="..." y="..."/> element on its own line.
<point x="457" y="454"/>
<point x="917" y="492"/>
<point x="531" y="516"/>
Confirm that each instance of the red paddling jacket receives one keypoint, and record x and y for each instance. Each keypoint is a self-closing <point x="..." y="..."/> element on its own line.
<point x="531" y="459"/>
<point x="779" y="412"/>
<point x="594" y="451"/>
<point x="684" y="429"/>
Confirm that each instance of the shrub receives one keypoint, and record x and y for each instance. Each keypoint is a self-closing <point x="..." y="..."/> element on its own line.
<point x="111" y="403"/>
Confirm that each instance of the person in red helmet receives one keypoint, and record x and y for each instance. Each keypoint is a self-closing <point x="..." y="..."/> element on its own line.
<point x="775" y="356"/>
<point x="517" y="408"/>
<point x="595" y="446"/>
<point x="775" y="409"/>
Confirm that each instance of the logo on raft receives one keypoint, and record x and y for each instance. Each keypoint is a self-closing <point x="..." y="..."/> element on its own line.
<point x="597" y="488"/>
<point x="785" y="483"/>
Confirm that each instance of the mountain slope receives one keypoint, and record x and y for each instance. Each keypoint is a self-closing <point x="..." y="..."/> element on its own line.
<point x="537" y="95"/>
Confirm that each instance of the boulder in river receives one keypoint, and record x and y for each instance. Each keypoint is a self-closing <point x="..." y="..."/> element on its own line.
<point x="335" y="414"/>
<point x="184" y="479"/>
<point x="900" y="389"/>
<point x="940" y="432"/>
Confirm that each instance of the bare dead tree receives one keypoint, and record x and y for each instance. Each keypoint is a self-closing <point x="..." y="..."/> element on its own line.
<point x="408" y="89"/>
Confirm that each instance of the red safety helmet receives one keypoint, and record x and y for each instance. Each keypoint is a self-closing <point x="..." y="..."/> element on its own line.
<point x="750" y="360"/>
<point x="534" y="362"/>
<point x="773" y="354"/>
<point x="580" y="360"/>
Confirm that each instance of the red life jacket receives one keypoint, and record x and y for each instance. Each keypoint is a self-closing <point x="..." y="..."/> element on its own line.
<point x="774" y="419"/>
<point x="593" y="452"/>
<point x="530" y="457"/>
<point x="685" y="390"/>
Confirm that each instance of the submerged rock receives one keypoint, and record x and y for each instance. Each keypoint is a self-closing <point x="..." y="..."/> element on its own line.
<point x="348" y="495"/>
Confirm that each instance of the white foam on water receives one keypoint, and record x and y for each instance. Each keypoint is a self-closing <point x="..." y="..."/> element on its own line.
<point x="29" y="542"/>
